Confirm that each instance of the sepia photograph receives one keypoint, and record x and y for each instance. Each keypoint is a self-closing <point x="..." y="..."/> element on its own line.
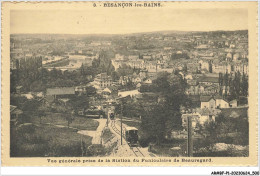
<point x="156" y="82"/>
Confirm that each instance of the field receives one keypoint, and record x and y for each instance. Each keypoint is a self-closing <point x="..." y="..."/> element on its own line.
<point x="80" y="123"/>
<point x="46" y="141"/>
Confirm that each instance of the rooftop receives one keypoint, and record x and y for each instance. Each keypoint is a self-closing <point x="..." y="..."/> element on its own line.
<point x="209" y="79"/>
<point x="61" y="91"/>
<point x="130" y="128"/>
<point x="205" y="98"/>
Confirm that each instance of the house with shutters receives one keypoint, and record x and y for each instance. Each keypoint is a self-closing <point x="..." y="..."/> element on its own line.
<point x="221" y="103"/>
<point x="207" y="102"/>
<point x="216" y="102"/>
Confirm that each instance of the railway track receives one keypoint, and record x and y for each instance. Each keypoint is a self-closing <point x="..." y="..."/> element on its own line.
<point x="114" y="127"/>
<point x="135" y="150"/>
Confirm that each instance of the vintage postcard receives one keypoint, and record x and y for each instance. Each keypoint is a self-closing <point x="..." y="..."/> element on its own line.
<point x="129" y="84"/>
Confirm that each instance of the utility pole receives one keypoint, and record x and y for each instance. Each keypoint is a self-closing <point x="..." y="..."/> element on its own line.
<point x="82" y="148"/>
<point x="107" y="112"/>
<point x="190" y="142"/>
<point x="121" y="122"/>
<point x="122" y="100"/>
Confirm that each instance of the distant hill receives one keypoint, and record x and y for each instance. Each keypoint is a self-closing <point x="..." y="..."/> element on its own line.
<point x="75" y="36"/>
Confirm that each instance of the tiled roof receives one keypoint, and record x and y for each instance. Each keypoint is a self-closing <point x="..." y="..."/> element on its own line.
<point x="189" y="115"/>
<point x="218" y="97"/>
<point x="61" y="91"/>
<point x="233" y="101"/>
<point x="205" y="98"/>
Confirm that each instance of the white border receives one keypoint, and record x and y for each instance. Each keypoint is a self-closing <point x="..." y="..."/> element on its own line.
<point x="120" y="170"/>
<point x="126" y="170"/>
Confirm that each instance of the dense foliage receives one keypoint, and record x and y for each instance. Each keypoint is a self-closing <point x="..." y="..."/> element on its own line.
<point x="40" y="79"/>
<point x="165" y="116"/>
<point x="237" y="84"/>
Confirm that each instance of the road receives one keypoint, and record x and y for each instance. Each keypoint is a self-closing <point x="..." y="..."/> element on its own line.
<point x="96" y="135"/>
<point x="125" y="150"/>
<point x="120" y="150"/>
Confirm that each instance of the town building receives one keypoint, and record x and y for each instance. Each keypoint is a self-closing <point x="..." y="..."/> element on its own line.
<point x="204" y="65"/>
<point x="199" y="117"/>
<point x="209" y="81"/>
<point x="233" y="103"/>
<point x="207" y="102"/>
<point x="133" y="57"/>
<point x="103" y="80"/>
<point x="59" y="92"/>
<point x="130" y="93"/>
<point x="221" y="103"/>
<point x="222" y="67"/>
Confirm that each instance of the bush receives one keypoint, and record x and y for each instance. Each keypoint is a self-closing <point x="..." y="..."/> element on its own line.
<point x="40" y="141"/>
<point x="96" y="150"/>
<point x="107" y="135"/>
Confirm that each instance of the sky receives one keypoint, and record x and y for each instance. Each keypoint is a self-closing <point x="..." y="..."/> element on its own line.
<point x="123" y="21"/>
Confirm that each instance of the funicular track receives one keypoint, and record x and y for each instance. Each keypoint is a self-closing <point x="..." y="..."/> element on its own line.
<point x="137" y="152"/>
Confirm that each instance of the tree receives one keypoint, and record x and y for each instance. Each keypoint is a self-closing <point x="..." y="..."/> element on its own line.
<point x="18" y="101"/>
<point x="44" y="76"/>
<point x="154" y="124"/>
<point x="210" y="67"/>
<point x="115" y="76"/>
<point x="125" y="70"/>
<point x="185" y="68"/>
<point x="90" y="90"/>
<point x="30" y="105"/>
<point x="210" y="128"/>
<point x="162" y="84"/>
<point x="244" y="85"/>
<point x="42" y="112"/>
<point x="14" y="80"/>
<point x="79" y="102"/>
<point x="129" y="85"/>
<point x="238" y="86"/>
<point x="165" y="116"/>
<point x="69" y="119"/>
<point x="37" y="86"/>
<point x="82" y="70"/>
<point x="103" y="63"/>
<point x="132" y="109"/>
<point x="237" y="81"/>
<point x="220" y="79"/>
